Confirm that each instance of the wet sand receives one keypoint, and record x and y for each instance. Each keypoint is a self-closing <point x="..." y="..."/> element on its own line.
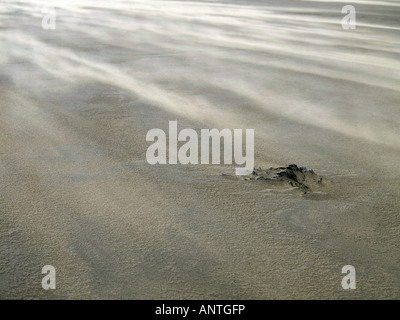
<point x="76" y="191"/>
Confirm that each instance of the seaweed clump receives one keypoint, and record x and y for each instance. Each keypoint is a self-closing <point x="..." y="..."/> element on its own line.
<point x="299" y="177"/>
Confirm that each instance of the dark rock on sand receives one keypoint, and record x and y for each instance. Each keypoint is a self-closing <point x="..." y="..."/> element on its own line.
<point x="299" y="177"/>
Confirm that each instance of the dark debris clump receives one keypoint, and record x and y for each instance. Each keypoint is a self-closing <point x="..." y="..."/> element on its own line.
<point x="300" y="177"/>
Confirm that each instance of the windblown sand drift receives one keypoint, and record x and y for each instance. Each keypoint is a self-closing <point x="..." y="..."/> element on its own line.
<point x="76" y="192"/>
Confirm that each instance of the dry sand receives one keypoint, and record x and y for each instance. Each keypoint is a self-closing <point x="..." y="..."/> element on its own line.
<point x="76" y="191"/>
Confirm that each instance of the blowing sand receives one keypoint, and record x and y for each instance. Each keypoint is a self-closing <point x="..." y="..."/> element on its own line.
<point x="77" y="193"/>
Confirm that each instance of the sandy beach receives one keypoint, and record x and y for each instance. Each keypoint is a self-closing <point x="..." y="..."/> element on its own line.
<point x="77" y="193"/>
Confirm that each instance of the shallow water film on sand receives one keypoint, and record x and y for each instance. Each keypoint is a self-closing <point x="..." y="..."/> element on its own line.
<point x="83" y="82"/>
